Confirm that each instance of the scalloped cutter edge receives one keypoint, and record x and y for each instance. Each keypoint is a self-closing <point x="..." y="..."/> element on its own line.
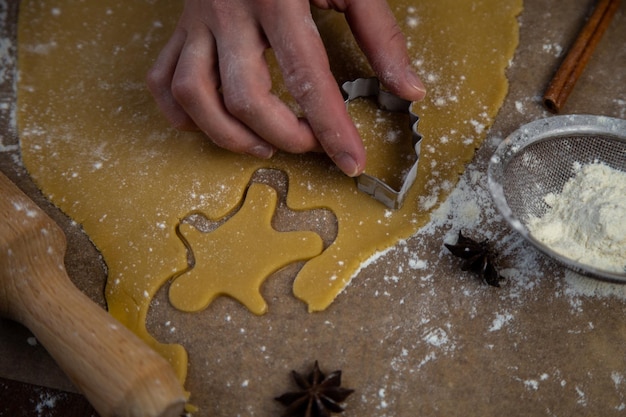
<point x="373" y="186"/>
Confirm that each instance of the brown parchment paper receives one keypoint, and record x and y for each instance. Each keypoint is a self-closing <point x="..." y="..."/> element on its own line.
<point x="544" y="344"/>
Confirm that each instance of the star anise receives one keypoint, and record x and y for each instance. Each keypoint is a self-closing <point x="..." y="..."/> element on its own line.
<point x="320" y="395"/>
<point x="478" y="257"/>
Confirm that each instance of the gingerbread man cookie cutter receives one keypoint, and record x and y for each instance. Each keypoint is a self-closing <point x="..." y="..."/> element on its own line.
<point x="371" y="185"/>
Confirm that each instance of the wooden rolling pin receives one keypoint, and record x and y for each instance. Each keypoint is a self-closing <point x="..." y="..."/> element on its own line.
<point x="118" y="373"/>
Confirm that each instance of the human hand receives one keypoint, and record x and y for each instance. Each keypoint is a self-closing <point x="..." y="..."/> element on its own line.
<point x="212" y="75"/>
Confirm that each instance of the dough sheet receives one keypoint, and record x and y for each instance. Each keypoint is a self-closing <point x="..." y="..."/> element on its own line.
<point x="95" y="143"/>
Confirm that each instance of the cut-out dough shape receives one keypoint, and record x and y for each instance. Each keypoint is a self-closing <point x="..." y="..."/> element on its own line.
<point x="237" y="257"/>
<point x="95" y="143"/>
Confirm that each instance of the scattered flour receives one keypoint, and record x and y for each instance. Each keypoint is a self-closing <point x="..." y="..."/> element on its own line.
<point x="46" y="403"/>
<point x="580" y="285"/>
<point x="586" y="222"/>
<point x="553" y="49"/>
<point x="500" y="321"/>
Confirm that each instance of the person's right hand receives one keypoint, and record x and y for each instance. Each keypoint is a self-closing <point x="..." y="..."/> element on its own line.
<point x="212" y="75"/>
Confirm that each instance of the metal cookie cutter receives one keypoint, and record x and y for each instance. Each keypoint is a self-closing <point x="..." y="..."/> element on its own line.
<point x="381" y="191"/>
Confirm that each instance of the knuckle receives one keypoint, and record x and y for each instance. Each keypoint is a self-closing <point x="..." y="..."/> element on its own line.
<point x="239" y="104"/>
<point x="153" y="79"/>
<point x="301" y="82"/>
<point x="156" y="78"/>
<point x="184" y="89"/>
<point x="395" y="33"/>
<point x="330" y="138"/>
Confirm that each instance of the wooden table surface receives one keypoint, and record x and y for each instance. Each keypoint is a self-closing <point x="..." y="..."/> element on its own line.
<point x="18" y="399"/>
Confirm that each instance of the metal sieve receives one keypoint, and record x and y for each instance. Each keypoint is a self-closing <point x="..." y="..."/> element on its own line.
<point x="539" y="158"/>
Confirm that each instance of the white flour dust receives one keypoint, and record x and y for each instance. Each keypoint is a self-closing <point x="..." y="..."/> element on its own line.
<point x="586" y="222"/>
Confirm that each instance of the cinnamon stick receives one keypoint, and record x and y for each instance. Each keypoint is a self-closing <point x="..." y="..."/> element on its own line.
<point x="574" y="63"/>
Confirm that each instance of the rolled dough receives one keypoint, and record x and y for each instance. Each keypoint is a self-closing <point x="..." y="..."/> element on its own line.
<point x="93" y="140"/>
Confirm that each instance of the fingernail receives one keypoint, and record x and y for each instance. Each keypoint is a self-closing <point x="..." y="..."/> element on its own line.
<point x="263" y="151"/>
<point x="347" y="164"/>
<point x="415" y="81"/>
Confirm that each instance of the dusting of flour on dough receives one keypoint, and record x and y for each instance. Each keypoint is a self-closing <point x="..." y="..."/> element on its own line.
<point x="586" y="222"/>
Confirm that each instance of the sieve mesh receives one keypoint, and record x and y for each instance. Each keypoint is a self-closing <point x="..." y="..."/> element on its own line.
<point x="540" y="157"/>
<point x="545" y="166"/>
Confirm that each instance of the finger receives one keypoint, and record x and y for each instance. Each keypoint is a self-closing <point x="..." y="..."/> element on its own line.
<point x="195" y="87"/>
<point x="379" y="36"/>
<point x="304" y="64"/>
<point x="247" y="84"/>
<point x="159" y="81"/>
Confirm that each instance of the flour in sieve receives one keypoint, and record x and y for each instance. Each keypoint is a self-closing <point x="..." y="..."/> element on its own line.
<point x="586" y="222"/>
